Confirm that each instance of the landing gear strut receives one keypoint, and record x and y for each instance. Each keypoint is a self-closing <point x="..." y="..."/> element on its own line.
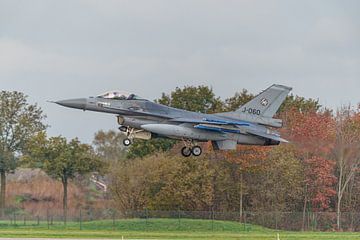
<point x="190" y="148"/>
<point x="128" y="131"/>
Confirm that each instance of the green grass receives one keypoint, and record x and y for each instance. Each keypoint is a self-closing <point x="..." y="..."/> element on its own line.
<point x="158" y="229"/>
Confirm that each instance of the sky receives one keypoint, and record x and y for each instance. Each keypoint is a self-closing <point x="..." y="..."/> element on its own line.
<point x="53" y="50"/>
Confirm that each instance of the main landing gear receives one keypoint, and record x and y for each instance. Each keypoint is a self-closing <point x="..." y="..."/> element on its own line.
<point x="190" y="148"/>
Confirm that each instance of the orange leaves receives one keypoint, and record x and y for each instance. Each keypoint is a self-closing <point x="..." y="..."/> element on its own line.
<point x="320" y="181"/>
<point x="250" y="158"/>
<point x="312" y="132"/>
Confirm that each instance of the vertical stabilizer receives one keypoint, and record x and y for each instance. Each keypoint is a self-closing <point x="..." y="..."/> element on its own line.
<point x="267" y="102"/>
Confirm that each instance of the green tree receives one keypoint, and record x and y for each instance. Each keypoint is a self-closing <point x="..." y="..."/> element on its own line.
<point x="198" y="99"/>
<point x="141" y="148"/>
<point x="19" y="121"/>
<point x="182" y="183"/>
<point x="279" y="185"/>
<point x="300" y="104"/>
<point x="62" y="160"/>
<point x="162" y="182"/>
<point x="109" y="145"/>
<point x="239" y="99"/>
<point x="130" y="184"/>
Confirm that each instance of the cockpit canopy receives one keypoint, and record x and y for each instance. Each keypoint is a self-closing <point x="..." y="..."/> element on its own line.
<point x="119" y="95"/>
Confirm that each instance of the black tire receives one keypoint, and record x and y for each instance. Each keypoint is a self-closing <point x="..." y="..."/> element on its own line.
<point x="186" y="152"/>
<point x="196" y="151"/>
<point x="127" y="142"/>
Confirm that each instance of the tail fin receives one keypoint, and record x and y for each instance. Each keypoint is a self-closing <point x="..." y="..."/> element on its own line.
<point x="267" y="102"/>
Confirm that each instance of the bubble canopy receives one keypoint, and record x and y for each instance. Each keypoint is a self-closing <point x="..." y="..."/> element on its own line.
<point x="119" y="95"/>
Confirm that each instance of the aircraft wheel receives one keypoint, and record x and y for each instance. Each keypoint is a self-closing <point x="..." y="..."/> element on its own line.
<point x="196" y="151"/>
<point x="186" y="152"/>
<point x="127" y="142"/>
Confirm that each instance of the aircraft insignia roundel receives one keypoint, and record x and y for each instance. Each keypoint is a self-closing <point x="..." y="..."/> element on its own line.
<point x="264" y="102"/>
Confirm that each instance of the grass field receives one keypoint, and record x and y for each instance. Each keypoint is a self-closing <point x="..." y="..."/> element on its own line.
<point x="158" y="229"/>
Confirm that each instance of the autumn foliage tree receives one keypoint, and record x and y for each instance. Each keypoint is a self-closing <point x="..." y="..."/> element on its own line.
<point x="313" y="135"/>
<point x="279" y="186"/>
<point x="245" y="160"/>
<point x="314" y="172"/>
<point x="163" y="182"/>
<point x="346" y="151"/>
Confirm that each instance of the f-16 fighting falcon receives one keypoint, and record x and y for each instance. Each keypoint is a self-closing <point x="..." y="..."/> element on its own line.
<point x="143" y="119"/>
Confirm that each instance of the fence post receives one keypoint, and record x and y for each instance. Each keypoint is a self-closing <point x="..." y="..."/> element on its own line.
<point x="24" y="220"/>
<point x="47" y="219"/>
<point x="146" y="215"/>
<point x="14" y="218"/>
<point x="244" y="217"/>
<point x="38" y="220"/>
<point x="113" y="220"/>
<point x="80" y="219"/>
<point x="179" y="216"/>
<point x="212" y="219"/>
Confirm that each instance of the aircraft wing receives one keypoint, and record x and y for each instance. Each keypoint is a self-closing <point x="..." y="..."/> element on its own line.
<point x="210" y="121"/>
<point x="240" y="129"/>
<point x="275" y="137"/>
<point x="219" y="128"/>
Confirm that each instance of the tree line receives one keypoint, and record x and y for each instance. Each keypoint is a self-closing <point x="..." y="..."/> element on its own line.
<point x="317" y="171"/>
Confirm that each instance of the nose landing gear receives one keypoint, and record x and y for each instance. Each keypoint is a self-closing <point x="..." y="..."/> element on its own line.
<point x="129" y="132"/>
<point x="127" y="142"/>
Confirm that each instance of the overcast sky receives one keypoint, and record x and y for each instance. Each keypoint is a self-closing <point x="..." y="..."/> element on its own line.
<point x="55" y="50"/>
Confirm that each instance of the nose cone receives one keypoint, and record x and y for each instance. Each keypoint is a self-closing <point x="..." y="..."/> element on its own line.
<point x="78" y="103"/>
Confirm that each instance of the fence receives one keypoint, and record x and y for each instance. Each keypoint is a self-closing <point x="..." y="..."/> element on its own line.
<point x="112" y="219"/>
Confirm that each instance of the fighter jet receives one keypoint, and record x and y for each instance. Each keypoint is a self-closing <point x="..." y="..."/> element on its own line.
<point x="251" y="124"/>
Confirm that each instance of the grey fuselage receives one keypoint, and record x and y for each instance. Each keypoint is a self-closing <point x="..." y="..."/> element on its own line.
<point x="175" y="123"/>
